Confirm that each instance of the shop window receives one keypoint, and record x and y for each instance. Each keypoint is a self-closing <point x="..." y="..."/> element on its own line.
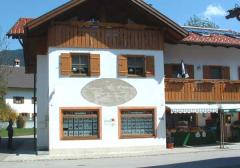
<point x="18" y="100"/>
<point x="80" y="124"/>
<point x="137" y="123"/>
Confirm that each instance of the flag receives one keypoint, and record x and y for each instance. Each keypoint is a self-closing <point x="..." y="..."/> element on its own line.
<point x="183" y="73"/>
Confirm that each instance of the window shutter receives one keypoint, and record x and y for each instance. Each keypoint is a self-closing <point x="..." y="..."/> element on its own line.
<point x="65" y="64"/>
<point x="206" y="72"/>
<point x="122" y="65"/>
<point x="190" y="71"/>
<point x="150" y="68"/>
<point x="225" y="73"/>
<point x="94" y="69"/>
<point x="168" y="70"/>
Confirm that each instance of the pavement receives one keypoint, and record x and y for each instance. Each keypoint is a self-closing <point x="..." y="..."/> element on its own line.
<point x="23" y="151"/>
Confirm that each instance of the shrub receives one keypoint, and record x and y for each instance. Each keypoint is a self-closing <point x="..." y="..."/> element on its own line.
<point x="20" y="122"/>
<point x="6" y="112"/>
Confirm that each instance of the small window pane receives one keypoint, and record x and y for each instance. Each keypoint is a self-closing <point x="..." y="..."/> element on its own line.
<point x="18" y="100"/>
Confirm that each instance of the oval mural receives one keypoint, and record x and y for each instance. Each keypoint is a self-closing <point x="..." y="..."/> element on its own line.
<point x="108" y="92"/>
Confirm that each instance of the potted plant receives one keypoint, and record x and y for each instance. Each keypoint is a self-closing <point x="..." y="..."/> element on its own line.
<point x="170" y="141"/>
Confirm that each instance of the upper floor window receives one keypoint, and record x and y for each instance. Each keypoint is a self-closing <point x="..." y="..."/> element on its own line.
<point x="18" y="100"/>
<point x="136" y="65"/>
<point x="216" y="72"/>
<point x="172" y="70"/>
<point x="79" y="64"/>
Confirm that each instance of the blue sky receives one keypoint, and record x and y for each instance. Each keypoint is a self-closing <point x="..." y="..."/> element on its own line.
<point x="177" y="10"/>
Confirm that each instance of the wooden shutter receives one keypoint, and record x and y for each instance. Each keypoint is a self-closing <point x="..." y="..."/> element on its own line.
<point x="226" y="73"/>
<point x="122" y="65"/>
<point x="149" y="68"/>
<point x="206" y="72"/>
<point x="94" y="69"/>
<point x="190" y="71"/>
<point x="65" y="64"/>
<point x="168" y="70"/>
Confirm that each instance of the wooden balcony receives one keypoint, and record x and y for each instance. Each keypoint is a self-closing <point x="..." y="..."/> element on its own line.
<point x="207" y="91"/>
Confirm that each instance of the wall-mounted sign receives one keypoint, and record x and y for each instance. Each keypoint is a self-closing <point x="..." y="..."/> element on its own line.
<point x="108" y="92"/>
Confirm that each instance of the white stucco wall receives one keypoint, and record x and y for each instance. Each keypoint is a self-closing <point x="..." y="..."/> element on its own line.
<point x="203" y="55"/>
<point x="27" y="106"/>
<point x="42" y="101"/>
<point x="66" y="92"/>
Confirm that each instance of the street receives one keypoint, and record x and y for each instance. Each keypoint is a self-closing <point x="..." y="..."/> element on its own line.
<point x="213" y="159"/>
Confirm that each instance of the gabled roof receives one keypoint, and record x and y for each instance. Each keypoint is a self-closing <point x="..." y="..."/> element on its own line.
<point x="17" y="78"/>
<point x="212" y="37"/>
<point x="73" y="3"/>
<point x="18" y="29"/>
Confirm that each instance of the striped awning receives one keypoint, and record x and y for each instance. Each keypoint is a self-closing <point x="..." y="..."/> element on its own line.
<point x="193" y="108"/>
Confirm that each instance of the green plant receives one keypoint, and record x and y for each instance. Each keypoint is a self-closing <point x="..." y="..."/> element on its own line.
<point x="20" y="122"/>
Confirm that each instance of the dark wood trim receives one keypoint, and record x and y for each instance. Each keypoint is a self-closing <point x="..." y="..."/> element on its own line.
<point x="99" y="112"/>
<point x="120" y="109"/>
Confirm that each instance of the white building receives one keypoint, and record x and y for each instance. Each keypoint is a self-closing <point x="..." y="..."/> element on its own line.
<point x="20" y="91"/>
<point x="100" y="74"/>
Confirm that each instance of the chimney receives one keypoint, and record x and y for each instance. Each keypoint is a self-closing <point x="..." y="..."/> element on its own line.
<point x="17" y="62"/>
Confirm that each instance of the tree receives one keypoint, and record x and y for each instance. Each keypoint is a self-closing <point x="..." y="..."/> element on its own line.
<point x="235" y="12"/>
<point x="6" y="112"/>
<point x="196" y="21"/>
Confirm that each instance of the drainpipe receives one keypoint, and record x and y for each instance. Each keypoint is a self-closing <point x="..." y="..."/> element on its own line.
<point x="34" y="110"/>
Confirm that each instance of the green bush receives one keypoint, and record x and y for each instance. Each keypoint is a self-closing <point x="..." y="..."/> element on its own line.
<point x="20" y="122"/>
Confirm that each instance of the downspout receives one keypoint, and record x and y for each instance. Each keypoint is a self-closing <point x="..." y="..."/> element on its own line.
<point x="34" y="111"/>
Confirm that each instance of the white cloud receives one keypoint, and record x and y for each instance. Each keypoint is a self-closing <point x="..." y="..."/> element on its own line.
<point x="214" y="10"/>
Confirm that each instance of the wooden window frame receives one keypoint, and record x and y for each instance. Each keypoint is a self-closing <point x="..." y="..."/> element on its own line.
<point x="16" y="102"/>
<point x="122" y="109"/>
<point x="88" y="64"/>
<point x="208" y="69"/>
<point x="148" y="66"/>
<point x="77" y="109"/>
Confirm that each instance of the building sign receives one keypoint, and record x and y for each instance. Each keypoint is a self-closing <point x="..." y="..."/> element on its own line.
<point x="108" y="92"/>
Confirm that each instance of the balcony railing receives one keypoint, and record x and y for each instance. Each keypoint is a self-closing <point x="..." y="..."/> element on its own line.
<point x="208" y="91"/>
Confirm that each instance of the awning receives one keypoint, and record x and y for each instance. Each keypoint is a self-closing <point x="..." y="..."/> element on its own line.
<point x="230" y="108"/>
<point x="193" y="108"/>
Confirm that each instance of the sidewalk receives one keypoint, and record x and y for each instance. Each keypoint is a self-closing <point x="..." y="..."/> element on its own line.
<point x="25" y="152"/>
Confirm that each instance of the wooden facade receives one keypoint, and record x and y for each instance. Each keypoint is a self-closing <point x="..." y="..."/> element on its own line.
<point x="112" y="36"/>
<point x="202" y="91"/>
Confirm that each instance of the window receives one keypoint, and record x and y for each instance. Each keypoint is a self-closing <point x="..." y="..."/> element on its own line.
<point x="80" y="64"/>
<point x="18" y="100"/>
<point x="216" y="72"/>
<point x="80" y="124"/>
<point x="136" y="65"/>
<point x="137" y="123"/>
<point x="172" y="70"/>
